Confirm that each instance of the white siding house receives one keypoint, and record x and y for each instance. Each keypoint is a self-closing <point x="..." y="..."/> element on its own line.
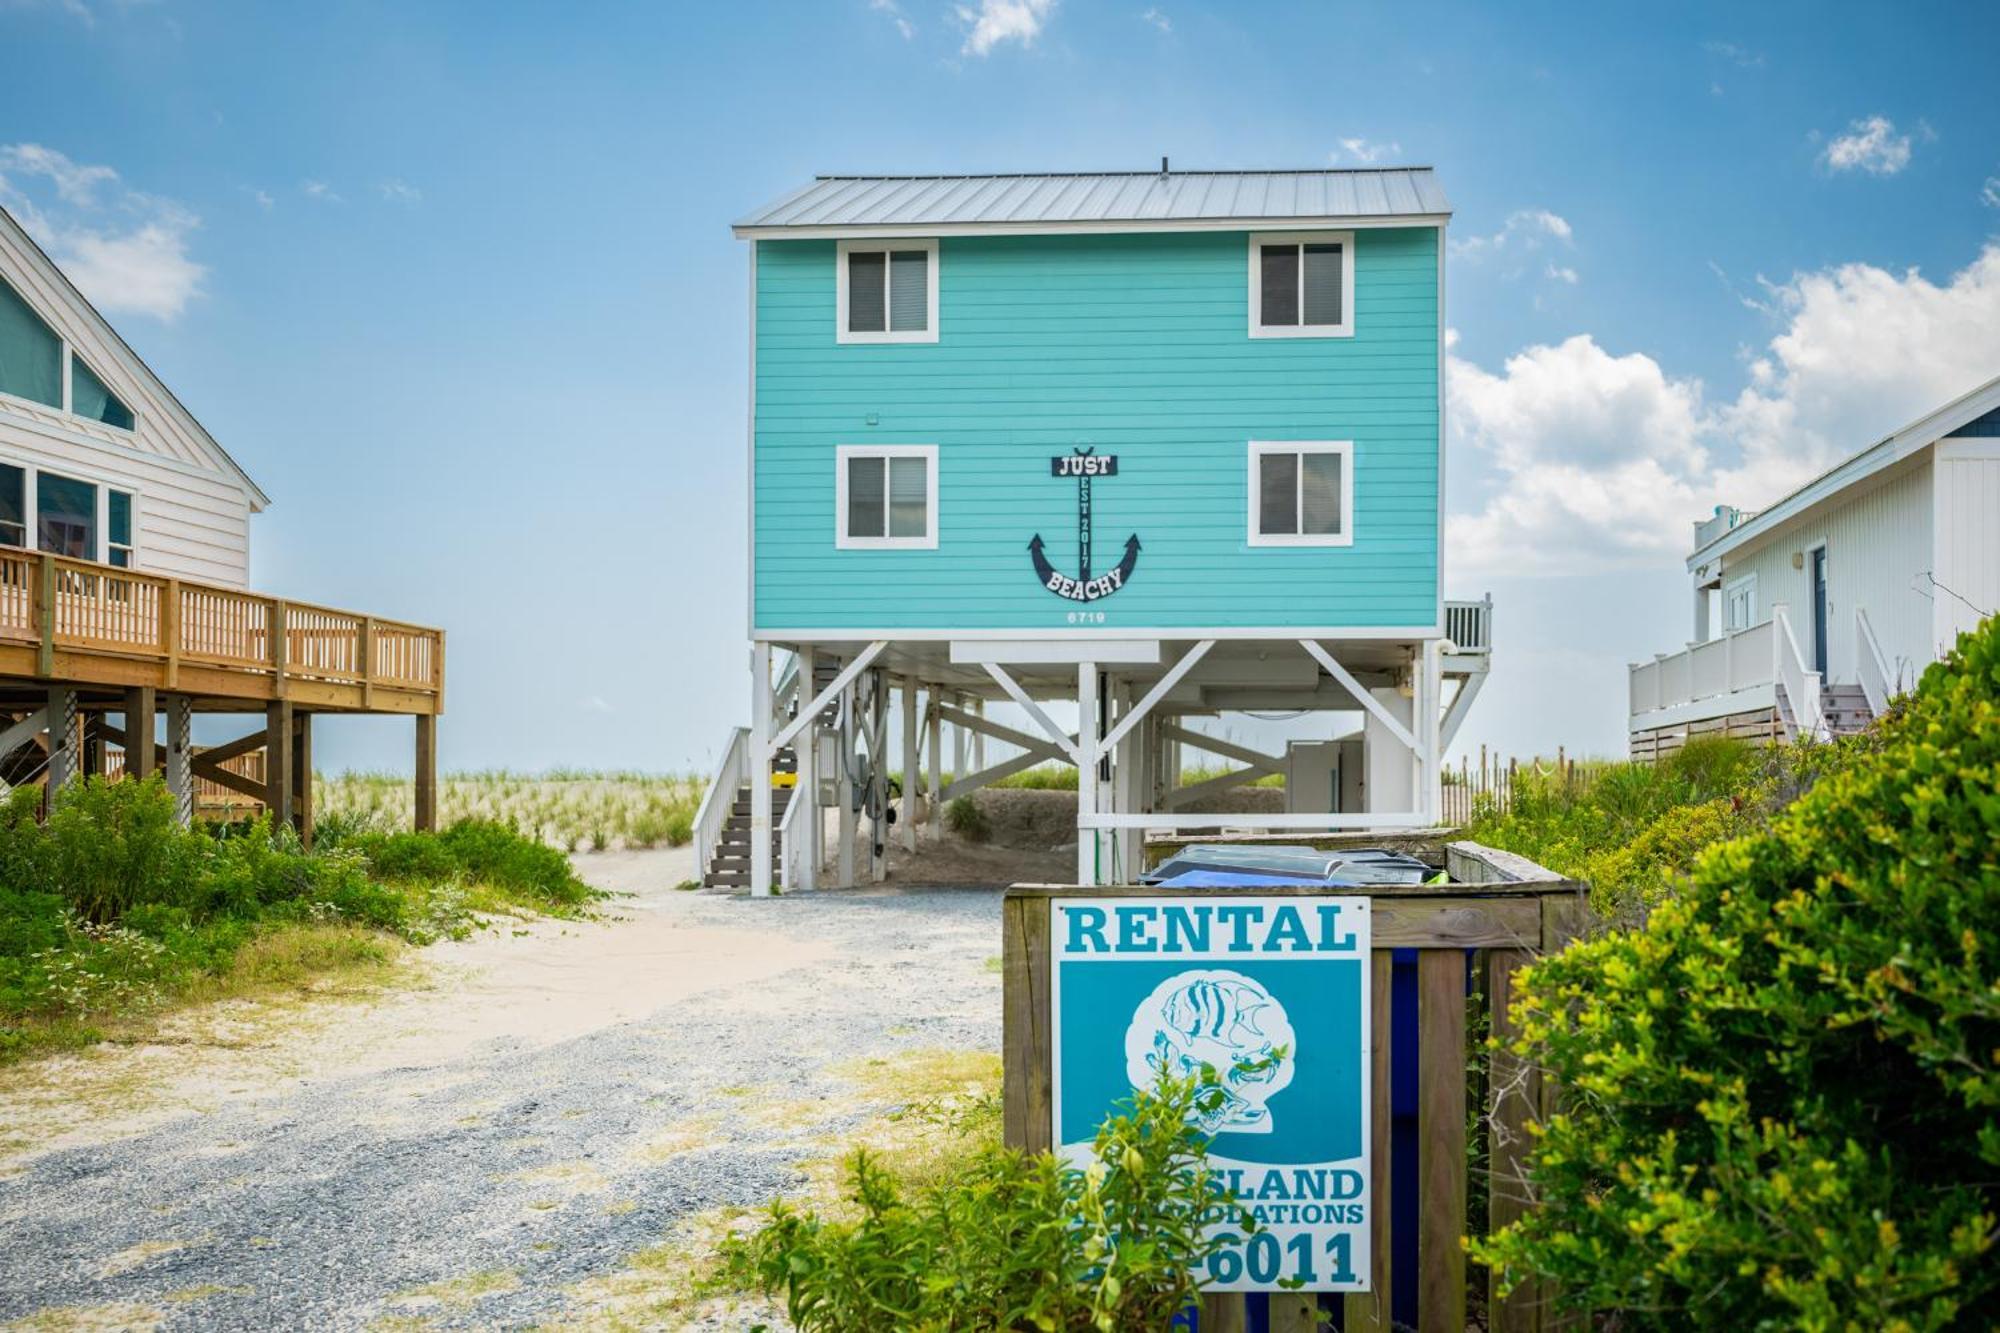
<point x="83" y="423"/>
<point x="1809" y="615"/>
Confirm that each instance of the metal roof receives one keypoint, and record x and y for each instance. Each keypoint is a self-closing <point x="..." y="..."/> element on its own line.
<point x="1138" y="200"/>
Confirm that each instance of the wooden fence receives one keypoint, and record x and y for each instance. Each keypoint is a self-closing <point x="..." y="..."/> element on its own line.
<point x="1469" y="938"/>
<point x="1490" y="784"/>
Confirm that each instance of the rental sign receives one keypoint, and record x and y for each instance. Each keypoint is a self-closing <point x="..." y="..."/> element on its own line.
<point x="1272" y="994"/>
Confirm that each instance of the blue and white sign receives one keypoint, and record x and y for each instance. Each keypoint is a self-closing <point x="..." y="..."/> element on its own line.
<point x="1272" y="994"/>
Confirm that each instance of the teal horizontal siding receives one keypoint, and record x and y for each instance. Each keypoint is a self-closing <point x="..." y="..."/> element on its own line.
<point x="1137" y="345"/>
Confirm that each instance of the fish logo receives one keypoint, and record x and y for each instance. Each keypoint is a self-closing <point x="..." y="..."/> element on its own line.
<point x="1222" y="1021"/>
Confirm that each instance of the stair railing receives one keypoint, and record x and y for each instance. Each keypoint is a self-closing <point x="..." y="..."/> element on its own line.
<point x="1798" y="688"/>
<point x="720" y="797"/>
<point x="1869" y="664"/>
<point x="794" y="842"/>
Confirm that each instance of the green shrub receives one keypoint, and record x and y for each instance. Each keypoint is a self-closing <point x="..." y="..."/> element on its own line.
<point x="963" y="816"/>
<point x="1010" y="1240"/>
<point x="1782" y="1095"/>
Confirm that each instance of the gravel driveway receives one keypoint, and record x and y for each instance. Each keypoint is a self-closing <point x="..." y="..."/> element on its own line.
<point x="519" y="1164"/>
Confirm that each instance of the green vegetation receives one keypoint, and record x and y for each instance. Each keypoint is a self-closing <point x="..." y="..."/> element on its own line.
<point x="1004" y="1239"/>
<point x="109" y="910"/>
<point x="573" y="810"/>
<point x="963" y="816"/>
<point x="1633" y="831"/>
<point x="1782" y="1094"/>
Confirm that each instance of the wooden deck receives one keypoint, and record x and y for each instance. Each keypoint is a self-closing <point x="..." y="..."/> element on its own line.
<point x="95" y="626"/>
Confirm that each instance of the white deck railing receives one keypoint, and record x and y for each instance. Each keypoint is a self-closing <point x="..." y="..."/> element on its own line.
<point x="1469" y="625"/>
<point x="1869" y="665"/>
<point x="720" y="797"/>
<point x="1798" y="688"/>
<point x="1738" y="661"/>
<point x="794" y="841"/>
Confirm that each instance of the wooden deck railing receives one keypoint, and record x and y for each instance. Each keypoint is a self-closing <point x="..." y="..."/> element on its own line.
<point x="81" y="607"/>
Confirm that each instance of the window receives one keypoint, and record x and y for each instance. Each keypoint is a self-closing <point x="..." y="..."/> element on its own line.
<point x="13" y="505"/>
<point x="118" y="529"/>
<point x="1739" y="603"/>
<point x="89" y="398"/>
<point x="1301" y="494"/>
<point x="66" y="516"/>
<point x="886" y="497"/>
<point x="888" y="292"/>
<point x="30" y="352"/>
<point x="1302" y="285"/>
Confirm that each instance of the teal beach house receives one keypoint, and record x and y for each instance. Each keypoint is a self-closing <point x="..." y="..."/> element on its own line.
<point x="1153" y="445"/>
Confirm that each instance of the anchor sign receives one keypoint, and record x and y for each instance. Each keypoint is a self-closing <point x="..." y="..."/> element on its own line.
<point x="1084" y="464"/>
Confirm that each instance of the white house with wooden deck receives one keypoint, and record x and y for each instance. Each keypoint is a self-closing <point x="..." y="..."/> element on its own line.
<point x="1811" y="614"/>
<point x="124" y="580"/>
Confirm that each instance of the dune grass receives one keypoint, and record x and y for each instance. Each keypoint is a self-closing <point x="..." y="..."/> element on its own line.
<point x="575" y="810"/>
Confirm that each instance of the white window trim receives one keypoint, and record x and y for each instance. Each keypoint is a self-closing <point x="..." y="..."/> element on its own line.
<point x="31" y="508"/>
<point x="1345" y="448"/>
<point x="1747" y="582"/>
<point x="66" y="407"/>
<point x="1344" y="329"/>
<point x="842" y="540"/>
<point x="841" y="333"/>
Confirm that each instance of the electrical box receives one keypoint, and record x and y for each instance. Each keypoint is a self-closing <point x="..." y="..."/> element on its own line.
<point x="1325" y="777"/>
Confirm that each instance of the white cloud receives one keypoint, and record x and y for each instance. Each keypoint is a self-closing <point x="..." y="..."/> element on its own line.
<point x="1525" y="229"/>
<point x="262" y="198"/>
<point x="1562" y="273"/>
<point x="1739" y="56"/>
<point x="998" y="21"/>
<point x="399" y="191"/>
<point x="1596" y="460"/>
<point x="126" y="251"/>
<point x="320" y="192"/>
<point x="896" y="16"/>
<point x="1158" y="20"/>
<point x="1989" y="193"/>
<point x="1871" y="145"/>
<point x="1365" y="150"/>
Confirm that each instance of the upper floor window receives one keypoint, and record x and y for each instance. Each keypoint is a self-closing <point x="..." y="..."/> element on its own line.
<point x="1301" y="494"/>
<point x="1302" y="284"/>
<point x="32" y="361"/>
<point x="67" y="516"/>
<point x="888" y="292"/>
<point x="887" y="496"/>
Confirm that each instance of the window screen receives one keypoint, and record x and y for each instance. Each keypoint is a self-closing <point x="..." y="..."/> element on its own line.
<point x="66" y="516"/>
<point x="866" y="515"/>
<point x="1280" y="296"/>
<point x="909" y="291"/>
<point x="909" y="497"/>
<point x="1277" y="494"/>
<point x="89" y="398"/>
<point x="1320" y="287"/>
<point x="13" y="505"/>
<point x="30" y="352"/>
<point x="1319" y="494"/>
<point x="867" y="308"/>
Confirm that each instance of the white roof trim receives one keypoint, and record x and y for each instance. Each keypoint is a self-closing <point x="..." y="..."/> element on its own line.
<point x="1885" y="453"/>
<point x="755" y="233"/>
<point x="129" y="360"/>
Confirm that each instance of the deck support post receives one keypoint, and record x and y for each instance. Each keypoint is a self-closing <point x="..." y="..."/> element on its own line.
<point x="934" y="779"/>
<point x="278" y="762"/>
<point x="93" y="745"/>
<point x="141" y="745"/>
<point x="64" y="755"/>
<point x="805" y="785"/>
<point x="302" y="777"/>
<point x="426" y="794"/>
<point x="907" y="832"/>
<point x="844" y="786"/>
<point x="979" y="738"/>
<point x="180" y="756"/>
<point x="760" y="770"/>
<point x="1086" y="772"/>
<point x="878" y="745"/>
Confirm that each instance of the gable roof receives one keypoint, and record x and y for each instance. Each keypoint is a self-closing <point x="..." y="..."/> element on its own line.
<point x="14" y="239"/>
<point x="1101" y="201"/>
<point x="1960" y="412"/>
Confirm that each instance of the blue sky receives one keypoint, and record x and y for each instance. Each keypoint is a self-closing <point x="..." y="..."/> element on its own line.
<point x="455" y="282"/>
